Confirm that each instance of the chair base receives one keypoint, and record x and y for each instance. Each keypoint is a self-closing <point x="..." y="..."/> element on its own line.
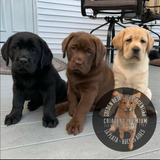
<point x="110" y="35"/>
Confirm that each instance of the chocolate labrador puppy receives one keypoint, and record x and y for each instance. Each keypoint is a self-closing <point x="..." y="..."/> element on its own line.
<point x="34" y="77"/>
<point x="89" y="77"/>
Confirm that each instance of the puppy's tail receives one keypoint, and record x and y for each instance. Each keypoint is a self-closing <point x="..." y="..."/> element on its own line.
<point x="61" y="108"/>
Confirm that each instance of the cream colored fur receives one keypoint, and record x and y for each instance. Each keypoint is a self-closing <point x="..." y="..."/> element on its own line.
<point x="130" y="71"/>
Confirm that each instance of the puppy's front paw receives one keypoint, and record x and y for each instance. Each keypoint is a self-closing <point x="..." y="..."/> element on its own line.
<point x="50" y="123"/>
<point x="130" y="146"/>
<point x="12" y="119"/>
<point x="112" y="129"/>
<point x="121" y="135"/>
<point x="74" y="127"/>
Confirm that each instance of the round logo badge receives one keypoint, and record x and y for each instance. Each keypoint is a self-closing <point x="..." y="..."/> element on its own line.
<point x="126" y="121"/>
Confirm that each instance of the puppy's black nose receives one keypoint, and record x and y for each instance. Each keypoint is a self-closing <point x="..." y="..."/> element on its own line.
<point x="135" y="50"/>
<point x="128" y="108"/>
<point x="23" y="60"/>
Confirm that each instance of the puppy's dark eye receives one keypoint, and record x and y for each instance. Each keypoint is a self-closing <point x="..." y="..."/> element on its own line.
<point x="129" y="40"/>
<point x="142" y="41"/>
<point x="15" y="47"/>
<point x="131" y="102"/>
<point x="33" y="50"/>
<point x="73" y="48"/>
<point x="123" y="102"/>
<point x="89" y="52"/>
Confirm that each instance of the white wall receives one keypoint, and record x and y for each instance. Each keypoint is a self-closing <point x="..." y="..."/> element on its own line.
<point x="57" y="19"/>
<point x="16" y="16"/>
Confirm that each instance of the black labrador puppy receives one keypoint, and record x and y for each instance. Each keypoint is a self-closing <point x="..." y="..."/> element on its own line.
<point x="34" y="77"/>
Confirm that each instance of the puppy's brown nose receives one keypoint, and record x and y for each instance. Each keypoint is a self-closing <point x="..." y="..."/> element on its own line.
<point x="78" y="62"/>
<point x="23" y="60"/>
<point x="135" y="50"/>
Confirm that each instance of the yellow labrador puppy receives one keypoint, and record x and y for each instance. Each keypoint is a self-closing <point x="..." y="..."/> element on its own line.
<point x="131" y="63"/>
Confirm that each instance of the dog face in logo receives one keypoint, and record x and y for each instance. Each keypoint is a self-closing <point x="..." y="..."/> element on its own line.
<point x="127" y="105"/>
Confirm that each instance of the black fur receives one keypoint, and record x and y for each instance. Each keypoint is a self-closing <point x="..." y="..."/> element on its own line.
<point x="34" y="77"/>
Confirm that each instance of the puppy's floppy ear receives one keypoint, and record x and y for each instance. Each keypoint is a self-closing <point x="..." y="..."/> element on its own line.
<point x="115" y="93"/>
<point x="118" y="40"/>
<point x="150" y="42"/>
<point x="66" y="42"/>
<point x="100" y="51"/>
<point x="137" y="95"/>
<point x="46" y="54"/>
<point x="5" y="50"/>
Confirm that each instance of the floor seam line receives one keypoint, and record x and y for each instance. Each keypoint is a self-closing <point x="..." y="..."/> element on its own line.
<point x="138" y="154"/>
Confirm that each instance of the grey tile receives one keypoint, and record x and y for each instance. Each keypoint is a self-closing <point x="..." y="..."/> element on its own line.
<point x="147" y="155"/>
<point x="33" y="132"/>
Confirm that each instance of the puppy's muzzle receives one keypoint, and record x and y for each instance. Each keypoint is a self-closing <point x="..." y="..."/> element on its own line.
<point x="128" y="111"/>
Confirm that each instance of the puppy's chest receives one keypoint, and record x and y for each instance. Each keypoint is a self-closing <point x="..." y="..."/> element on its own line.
<point x="128" y="125"/>
<point x="128" y="77"/>
<point x="79" y="87"/>
<point x="26" y="84"/>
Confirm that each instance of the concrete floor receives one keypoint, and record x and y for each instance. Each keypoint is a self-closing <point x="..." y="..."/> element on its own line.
<point x="29" y="139"/>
